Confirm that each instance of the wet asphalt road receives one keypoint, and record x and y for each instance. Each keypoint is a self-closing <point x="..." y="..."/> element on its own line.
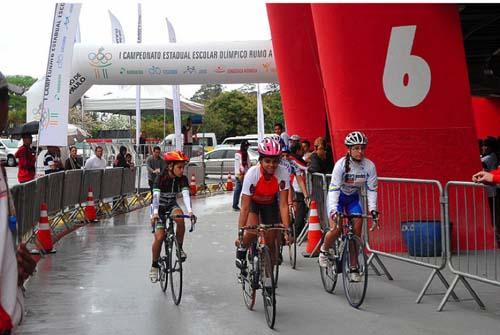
<point x="97" y="283"/>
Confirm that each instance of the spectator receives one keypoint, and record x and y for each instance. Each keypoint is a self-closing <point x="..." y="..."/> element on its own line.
<point x="142" y="145"/>
<point x="187" y="132"/>
<point x="321" y="159"/>
<point x="26" y="157"/>
<point x="16" y="265"/>
<point x="294" y="139"/>
<point x="72" y="162"/>
<point x="306" y="147"/>
<point x="120" y="160"/>
<point x="96" y="162"/>
<point x="278" y="130"/>
<point x="130" y="162"/>
<point x="155" y="165"/>
<point x="241" y="166"/>
<point x="52" y="160"/>
<point x="298" y="194"/>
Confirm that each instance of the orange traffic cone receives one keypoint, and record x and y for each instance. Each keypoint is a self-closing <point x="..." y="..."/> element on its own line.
<point x="43" y="234"/>
<point x="314" y="232"/>
<point x="192" y="185"/>
<point x="90" y="213"/>
<point x="229" y="184"/>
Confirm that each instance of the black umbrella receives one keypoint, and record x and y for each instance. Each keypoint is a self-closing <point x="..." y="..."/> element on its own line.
<point x="27" y="128"/>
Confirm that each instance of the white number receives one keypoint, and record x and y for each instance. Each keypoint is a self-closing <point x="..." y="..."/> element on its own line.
<point x="407" y="78"/>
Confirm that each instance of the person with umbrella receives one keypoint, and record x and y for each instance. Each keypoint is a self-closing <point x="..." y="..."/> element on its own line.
<point x="26" y="157"/>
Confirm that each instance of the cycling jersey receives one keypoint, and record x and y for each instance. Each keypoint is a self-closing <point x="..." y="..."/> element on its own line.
<point x="165" y="191"/>
<point x="298" y="169"/>
<point x="264" y="191"/>
<point x="346" y="186"/>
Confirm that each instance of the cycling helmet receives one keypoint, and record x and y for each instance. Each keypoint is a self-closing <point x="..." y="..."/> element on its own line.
<point x="175" y="156"/>
<point x="269" y="147"/>
<point x="355" y="138"/>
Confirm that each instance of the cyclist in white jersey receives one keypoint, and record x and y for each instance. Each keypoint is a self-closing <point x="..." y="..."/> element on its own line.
<point x="350" y="173"/>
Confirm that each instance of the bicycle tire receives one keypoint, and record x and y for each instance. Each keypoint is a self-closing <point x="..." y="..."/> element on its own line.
<point x="292" y="247"/>
<point x="268" y="293"/>
<point x="175" y="271"/>
<point x="247" y="286"/>
<point x="279" y="255"/>
<point x="354" y="291"/>
<point x="163" y="273"/>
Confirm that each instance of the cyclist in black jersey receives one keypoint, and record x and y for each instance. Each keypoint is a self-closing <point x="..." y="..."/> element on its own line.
<point x="166" y="188"/>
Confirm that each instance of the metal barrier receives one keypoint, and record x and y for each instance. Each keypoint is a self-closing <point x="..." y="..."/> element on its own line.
<point x="72" y="188"/>
<point x="54" y="194"/>
<point x="91" y="178"/>
<point x="128" y="182"/>
<point x="472" y="226"/>
<point x="319" y="193"/>
<point x="413" y="226"/>
<point x="111" y="183"/>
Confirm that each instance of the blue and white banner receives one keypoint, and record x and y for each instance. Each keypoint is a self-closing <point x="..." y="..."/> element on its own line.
<point x="54" y="116"/>
<point x="176" y="97"/>
<point x="117" y="35"/>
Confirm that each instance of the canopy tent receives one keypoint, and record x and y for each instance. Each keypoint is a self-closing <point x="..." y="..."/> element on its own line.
<point x="155" y="100"/>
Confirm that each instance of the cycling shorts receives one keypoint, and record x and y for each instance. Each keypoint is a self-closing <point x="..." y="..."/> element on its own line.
<point x="269" y="214"/>
<point x="161" y="223"/>
<point x="350" y="204"/>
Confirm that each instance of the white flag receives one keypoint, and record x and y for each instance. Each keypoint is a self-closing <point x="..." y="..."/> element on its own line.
<point x="54" y="116"/>
<point x="176" y="97"/>
<point x="117" y="35"/>
<point x="260" y="115"/>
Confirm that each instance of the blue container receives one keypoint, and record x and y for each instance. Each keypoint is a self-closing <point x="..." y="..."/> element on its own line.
<point x="422" y="238"/>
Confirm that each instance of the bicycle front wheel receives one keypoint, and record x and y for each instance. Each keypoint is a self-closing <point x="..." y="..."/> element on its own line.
<point x="354" y="271"/>
<point x="247" y="282"/>
<point x="175" y="270"/>
<point x="292" y="246"/>
<point x="268" y="286"/>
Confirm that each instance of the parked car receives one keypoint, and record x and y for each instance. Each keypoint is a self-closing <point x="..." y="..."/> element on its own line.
<point x="8" y="148"/>
<point x="221" y="159"/>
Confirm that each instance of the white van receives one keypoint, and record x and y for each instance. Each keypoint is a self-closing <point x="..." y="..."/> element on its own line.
<point x="253" y="140"/>
<point x="208" y="140"/>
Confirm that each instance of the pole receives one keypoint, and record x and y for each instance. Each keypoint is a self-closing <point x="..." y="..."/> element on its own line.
<point x="164" y="117"/>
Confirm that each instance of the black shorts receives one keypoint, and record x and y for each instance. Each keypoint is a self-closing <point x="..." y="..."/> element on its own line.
<point x="268" y="214"/>
<point x="162" y="213"/>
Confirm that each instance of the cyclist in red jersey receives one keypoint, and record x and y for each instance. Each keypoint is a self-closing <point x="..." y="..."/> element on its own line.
<point x="259" y="197"/>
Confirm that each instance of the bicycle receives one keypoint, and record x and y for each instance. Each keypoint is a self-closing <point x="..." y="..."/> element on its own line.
<point x="170" y="265"/>
<point x="256" y="269"/>
<point x="339" y="261"/>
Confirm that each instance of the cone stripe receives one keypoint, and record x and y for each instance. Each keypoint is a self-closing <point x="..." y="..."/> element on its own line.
<point x="314" y="226"/>
<point x="43" y="226"/>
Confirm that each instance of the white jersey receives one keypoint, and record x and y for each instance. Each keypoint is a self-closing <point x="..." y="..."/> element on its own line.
<point x="361" y="174"/>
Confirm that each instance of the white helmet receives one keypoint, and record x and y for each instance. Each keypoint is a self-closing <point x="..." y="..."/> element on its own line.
<point x="355" y="138"/>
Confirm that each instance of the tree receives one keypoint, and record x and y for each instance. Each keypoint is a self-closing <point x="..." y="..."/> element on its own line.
<point x="207" y="92"/>
<point x="17" y="103"/>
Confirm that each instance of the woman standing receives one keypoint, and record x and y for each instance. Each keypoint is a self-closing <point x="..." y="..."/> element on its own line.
<point x="241" y="166"/>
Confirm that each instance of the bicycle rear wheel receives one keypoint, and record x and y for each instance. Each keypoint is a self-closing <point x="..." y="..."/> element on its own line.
<point x="268" y="293"/>
<point x="354" y="276"/>
<point x="247" y="282"/>
<point x="175" y="270"/>
<point x="163" y="272"/>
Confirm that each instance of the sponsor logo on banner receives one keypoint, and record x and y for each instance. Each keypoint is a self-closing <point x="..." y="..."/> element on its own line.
<point x="190" y="70"/>
<point x="268" y="67"/>
<point x="220" y="69"/>
<point x="124" y="71"/>
<point x="154" y="70"/>
<point x="168" y="72"/>
<point x="75" y="82"/>
<point x="100" y="61"/>
<point x="202" y="71"/>
<point x="242" y="70"/>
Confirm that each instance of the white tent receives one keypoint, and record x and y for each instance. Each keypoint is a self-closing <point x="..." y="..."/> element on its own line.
<point x="155" y="100"/>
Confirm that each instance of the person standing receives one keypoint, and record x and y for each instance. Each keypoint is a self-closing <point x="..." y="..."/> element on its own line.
<point x="72" y="162"/>
<point x="16" y="265"/>
<point x="284" y="138"/>
<point x="96" y="161"/>
<point x="121" y="160"/>
<point x="241" y="166"/>
<point x="187" y="132"/>
<point x="52" y="160"/>
<point x="26" y="157"/>
<point x="321" y="158"/>
<point x="155" y="165"/>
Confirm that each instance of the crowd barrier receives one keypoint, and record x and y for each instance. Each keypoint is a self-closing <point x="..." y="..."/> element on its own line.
<point x="66" y="194"/>
<point x="426" y="225"/>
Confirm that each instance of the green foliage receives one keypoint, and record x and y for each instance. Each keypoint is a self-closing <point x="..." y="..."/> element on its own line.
<point x="207" y="92"/>
<point x="17" y="104"/>
<point x="152" y="126"/>
<point x="23" y="81"/>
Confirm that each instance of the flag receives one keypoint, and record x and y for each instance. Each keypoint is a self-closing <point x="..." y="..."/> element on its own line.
<point x="117" y="35"/>
<point x="176" y="97"/>
<point x="53" y="128"/>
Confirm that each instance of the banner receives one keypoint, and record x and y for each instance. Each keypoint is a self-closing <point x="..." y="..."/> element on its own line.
<point x="260" y="116"/>
<point x="117" y="35"/>
<point x="176" y="97"/>
<point x="78" y="36"/>
<point x="54" y="116"/>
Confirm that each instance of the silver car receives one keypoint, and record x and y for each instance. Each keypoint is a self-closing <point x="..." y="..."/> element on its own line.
<point x="8" y="149"/>
<point x="221" y="160"/>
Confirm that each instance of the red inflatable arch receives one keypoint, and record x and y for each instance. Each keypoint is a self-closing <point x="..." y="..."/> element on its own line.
<point x="487" y="116"/>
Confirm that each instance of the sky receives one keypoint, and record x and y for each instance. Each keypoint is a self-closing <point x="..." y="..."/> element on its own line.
<point x="26" y="27"/>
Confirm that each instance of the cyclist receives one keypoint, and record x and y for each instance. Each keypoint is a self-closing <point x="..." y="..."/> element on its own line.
<point x="349" y="174"/>
<point x="165" y="190"/>
<point x="259" y="199"/>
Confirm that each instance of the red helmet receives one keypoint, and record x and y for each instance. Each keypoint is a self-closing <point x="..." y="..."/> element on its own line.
<point x="175" y="156"/>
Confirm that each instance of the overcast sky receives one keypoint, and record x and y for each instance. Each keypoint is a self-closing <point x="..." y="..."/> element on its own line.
<point x="26" y="27"/>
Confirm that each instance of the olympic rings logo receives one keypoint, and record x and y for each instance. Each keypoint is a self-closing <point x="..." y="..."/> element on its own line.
<point x="100" y="59"/>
